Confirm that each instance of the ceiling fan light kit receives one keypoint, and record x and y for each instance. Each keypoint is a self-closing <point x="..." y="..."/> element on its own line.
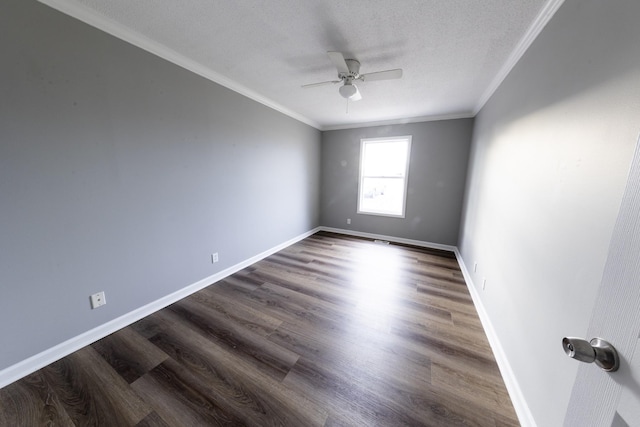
<point x="348" y="71"/>
<point x="348" y="90"/>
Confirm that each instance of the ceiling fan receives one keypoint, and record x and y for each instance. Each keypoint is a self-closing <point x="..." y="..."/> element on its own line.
<point x="349" y="71"/>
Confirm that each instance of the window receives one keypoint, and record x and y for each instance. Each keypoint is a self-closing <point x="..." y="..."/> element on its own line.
<point x="384" y="165"/>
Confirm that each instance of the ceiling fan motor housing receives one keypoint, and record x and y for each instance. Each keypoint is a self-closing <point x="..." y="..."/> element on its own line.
<point x="354" y="71"/>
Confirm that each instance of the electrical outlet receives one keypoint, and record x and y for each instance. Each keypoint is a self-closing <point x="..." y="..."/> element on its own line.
<point x="348" y="220"/>
<point x="98" y="300"/>
<point x="475" y="267"/>
<point x="214" y="258"/>
<point x="484" y="284"/>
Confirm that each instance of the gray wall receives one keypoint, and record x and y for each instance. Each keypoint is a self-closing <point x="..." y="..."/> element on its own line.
<point x="122" y="172"/>
<point x="437" y="172"/>
<point x="550" y="157"/>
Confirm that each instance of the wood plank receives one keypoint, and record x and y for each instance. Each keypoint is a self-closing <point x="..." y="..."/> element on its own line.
<point x="179" y="399"/>
<point x="233" y="381"/>
<point x="129" y="353"/>
<point x="30" y="402"/>
<point x="348" y="352"/>
<point x="254" y="348"/>
<point x="484" y="390"/>
<point x="152" y="420"/>
<point x="238" y="312"/>
<point x="378" y="399"/>
<point x="92" y="393"/>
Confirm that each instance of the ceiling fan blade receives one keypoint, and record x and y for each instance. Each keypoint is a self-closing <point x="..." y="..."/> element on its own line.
<point x="322" y="83"/>
<point x="338" y="60"/>
<point x="382" y="75"/>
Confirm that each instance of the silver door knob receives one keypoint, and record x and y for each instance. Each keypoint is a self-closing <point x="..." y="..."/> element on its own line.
<point x="597" y="350"/>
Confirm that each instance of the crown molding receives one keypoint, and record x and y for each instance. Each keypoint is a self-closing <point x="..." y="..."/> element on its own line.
<point x="94" y="19"/>
<point x="544" y="16"/>
<point x="419" y="119"/>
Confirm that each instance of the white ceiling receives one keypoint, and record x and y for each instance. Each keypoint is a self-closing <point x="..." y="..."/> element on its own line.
<point x="454" y="53"/>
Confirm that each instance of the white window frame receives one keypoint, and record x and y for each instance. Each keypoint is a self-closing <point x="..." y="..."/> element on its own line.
<point x="405" y="177"/>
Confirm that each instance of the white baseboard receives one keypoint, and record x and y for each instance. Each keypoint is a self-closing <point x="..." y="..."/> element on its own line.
<point x="40" y="360"/>
<point x="515" y="392"/>
<point x="419" y="243"/>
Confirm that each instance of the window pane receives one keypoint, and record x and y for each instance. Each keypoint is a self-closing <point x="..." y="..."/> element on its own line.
<point x="382" y="195"/>
<point x="386" y="158"/>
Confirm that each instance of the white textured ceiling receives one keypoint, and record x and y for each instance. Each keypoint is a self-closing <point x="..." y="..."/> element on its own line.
<point x="453" y="52"/>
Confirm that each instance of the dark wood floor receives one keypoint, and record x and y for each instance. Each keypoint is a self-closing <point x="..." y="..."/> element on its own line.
<point x="332" y="331"/>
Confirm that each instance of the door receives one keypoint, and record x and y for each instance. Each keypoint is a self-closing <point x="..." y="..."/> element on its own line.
<point x="613" y="399"/>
